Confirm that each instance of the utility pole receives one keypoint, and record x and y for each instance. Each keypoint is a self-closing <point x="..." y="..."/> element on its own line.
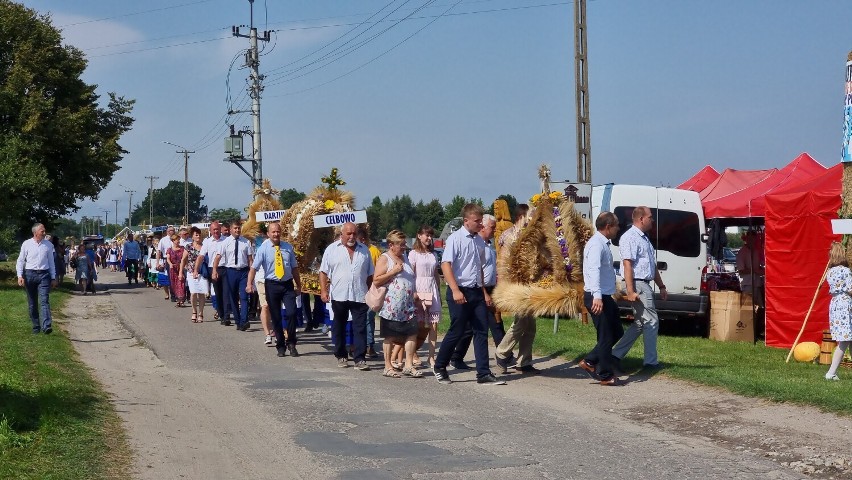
<point x="129" y="205"/>
<point x="185" y="153"/>
<point x="106" y="221"/>
<point x="151" y="201"/>
<point x="115" y="230"/>
<point x="98" y="232"/>
<point x="581" y="69"/>
<point x="255" y="89"/>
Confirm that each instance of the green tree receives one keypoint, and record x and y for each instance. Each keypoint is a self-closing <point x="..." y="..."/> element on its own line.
<point x="453" y="209"/>
<point x="57" y="144"/>
<point x="432" y="214"/>
<point x="226" y="214"/>
<point x="290" y="196"/>
<point x="169" y="205"/>
<point x="374" y="212"/>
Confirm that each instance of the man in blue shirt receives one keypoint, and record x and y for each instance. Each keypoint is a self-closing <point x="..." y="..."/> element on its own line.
<point x="599" y="287"/>
<point x="639" y="267"/>
<point x="132" y="255"/>
<point x="467" y="299"/>
<point x="282" y="281"/>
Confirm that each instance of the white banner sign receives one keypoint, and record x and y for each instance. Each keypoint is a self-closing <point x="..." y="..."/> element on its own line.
<point x="335" y="219"/>
<point x="269" y="216"/>
<point x="201" y="225"/>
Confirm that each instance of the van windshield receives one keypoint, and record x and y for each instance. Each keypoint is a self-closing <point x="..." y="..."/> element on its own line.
<point x="674" y="231"/>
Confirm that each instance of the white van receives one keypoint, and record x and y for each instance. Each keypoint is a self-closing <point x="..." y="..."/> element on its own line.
<point x="678" y="235"/>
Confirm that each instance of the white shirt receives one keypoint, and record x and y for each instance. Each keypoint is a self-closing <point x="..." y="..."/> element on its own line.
<point x="212" y="247"/>
<point x="348" y="277"/>
<point x="242" y="260"/>
<point x="163" y="246"/>
<point x="36" y="256"/>
<point x="184" y="242"/>
<point x="489" y="267"/>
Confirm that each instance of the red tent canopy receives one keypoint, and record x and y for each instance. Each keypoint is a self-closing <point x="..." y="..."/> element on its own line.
<point x="700" y="180"/>
<point x="798" y="236"/>
<point x="739" y="194"/>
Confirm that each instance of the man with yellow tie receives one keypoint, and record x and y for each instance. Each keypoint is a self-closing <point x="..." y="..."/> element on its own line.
<point x="282" y="281"/>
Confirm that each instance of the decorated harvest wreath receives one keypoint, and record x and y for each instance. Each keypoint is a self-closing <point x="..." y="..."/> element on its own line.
<point x="541" y="273"/>
<point x="297" y="226"/>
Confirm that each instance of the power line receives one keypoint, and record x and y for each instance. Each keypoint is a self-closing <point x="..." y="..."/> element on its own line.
<point x="357" y="46"/>
<point x="374" y="58"/>
<point x="282" y="78"/>
<point x="158" y="48"/>
<point x="133" y="13"/>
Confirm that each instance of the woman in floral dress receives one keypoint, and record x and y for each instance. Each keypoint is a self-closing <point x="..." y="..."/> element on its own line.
<point x="198" y="286"/>
<point x="427" y="279"/>
<point x="839" y="280"/>
<point x="174" y="255"/>
<point x="398" y="324"/>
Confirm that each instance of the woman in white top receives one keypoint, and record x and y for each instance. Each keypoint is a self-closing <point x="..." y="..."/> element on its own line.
<point x="398" y="323"/>
<point x="197" y="284"/>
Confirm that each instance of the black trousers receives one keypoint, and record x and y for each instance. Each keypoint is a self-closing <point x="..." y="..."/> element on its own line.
<point x="498" y="331"/>
<point x="359" y="328"/>
<point x="132" y="269"/>
<point x="278" y="292"/>
<point x="609" y="329"/>
<point x="221" y="301"/>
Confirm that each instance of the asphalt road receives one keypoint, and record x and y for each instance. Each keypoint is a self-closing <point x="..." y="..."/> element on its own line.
<point x="213" y="402"/>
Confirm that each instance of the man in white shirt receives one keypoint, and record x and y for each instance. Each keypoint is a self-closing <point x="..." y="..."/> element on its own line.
<point x="162" y="248"/>
<point x="185" y="239"/>
<point x="346" y="273"/>
<point x="209" y="249"/>
<point x="36" y="269"/>
<point x="236" y="255"/>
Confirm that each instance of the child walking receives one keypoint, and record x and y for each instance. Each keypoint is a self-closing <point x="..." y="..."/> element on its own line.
<point x="83" y="268"/>
<point x="839" y="279"/>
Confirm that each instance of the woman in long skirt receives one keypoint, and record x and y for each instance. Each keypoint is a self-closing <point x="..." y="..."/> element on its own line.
<point x="174" y="255"/>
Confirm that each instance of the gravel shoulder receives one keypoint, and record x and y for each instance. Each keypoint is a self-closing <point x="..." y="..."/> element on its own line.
<point x="205" y="401"/>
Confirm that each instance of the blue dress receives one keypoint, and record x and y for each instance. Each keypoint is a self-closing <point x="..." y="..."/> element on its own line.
<point x="839" y="281"/>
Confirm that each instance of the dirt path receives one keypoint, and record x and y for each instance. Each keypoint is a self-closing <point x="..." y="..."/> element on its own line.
<point x="205" y="401"/>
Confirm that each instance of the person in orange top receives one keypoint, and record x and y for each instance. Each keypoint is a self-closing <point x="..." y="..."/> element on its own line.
<point x="364" y="237"/>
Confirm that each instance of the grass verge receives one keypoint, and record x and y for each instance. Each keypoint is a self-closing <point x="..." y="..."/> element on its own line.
<point x="56" y="422"/>
<point x="742" y="368"/>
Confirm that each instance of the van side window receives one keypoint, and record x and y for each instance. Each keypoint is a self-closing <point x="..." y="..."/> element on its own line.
<point x="674" y="231"/>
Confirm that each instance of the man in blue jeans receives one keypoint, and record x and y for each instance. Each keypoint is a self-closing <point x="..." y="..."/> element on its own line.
<point x="36" y="271"/>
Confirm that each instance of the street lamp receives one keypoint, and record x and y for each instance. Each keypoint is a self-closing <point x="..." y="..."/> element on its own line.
<point x="185" y="153"/>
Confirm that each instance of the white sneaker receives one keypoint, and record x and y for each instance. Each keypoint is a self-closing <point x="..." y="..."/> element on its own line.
<point x="268" y="340"/>
<point x="832" y="377"/>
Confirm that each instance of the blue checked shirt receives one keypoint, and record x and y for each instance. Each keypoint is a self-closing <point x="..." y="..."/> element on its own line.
<point x="635" y="246"/>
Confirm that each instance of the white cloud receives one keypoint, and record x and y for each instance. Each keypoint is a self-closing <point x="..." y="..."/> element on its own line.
<point x="81" y="32"/>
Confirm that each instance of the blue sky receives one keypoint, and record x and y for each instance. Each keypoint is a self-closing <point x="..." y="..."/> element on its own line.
<point x="473" y="103"/>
